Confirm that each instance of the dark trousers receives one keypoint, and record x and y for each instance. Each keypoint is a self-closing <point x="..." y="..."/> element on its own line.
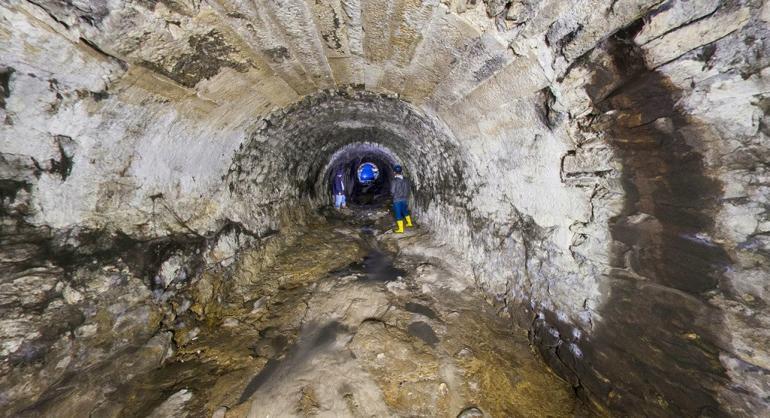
<point x="401" y="209"/>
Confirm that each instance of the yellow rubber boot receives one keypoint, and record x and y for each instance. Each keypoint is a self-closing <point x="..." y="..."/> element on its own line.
<point x="409" y="221"/>
<point x="399" y="227"/>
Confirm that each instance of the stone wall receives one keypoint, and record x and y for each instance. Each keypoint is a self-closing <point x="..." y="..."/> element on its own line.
<point x="291" y="149"/>
<point x="674" y="272"/>
<point x="601" y="164"/>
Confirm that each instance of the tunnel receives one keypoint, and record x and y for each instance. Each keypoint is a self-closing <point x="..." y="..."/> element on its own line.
<point x="588" y="185"/>
<point x="367" y="172"/>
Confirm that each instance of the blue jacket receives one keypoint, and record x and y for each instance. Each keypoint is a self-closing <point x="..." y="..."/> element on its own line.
<point x="338" y="185"/>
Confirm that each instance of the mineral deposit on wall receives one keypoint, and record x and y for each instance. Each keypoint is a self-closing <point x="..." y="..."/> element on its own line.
<point x="601" y="165"/>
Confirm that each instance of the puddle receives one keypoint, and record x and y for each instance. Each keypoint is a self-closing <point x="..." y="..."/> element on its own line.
<point x="421" y="309"/>
<point x="376" y="266"/>
<point x="379" y="267"/>
<point x="424" y="332"/>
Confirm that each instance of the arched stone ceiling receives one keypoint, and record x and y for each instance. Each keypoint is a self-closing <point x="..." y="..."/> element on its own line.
<point x="608" y="181"/>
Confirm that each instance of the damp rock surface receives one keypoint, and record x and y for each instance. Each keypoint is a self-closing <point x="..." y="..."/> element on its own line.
<point x="330" y="341"/>
<point x="597" y="167"/>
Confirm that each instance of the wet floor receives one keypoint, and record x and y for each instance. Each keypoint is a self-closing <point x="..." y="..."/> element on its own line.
<point x="342" y="323"/>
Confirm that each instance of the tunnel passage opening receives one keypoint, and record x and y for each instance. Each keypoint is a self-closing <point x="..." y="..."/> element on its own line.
<point x="285" y="166"/>
<point x="358" y="163"/>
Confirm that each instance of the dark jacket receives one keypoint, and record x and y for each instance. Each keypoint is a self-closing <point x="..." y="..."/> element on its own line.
<point x="400" y="189"/>
<point x="338" y="185"/>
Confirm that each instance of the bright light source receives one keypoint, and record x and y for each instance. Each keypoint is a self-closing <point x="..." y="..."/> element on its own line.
<point x="368" y="173"/>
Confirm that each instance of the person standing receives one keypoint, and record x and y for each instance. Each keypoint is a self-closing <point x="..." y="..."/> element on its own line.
<point x="338" y="190"/>
<point x="400" y="190"/>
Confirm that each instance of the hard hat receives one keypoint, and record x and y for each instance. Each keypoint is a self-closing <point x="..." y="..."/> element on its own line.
<point x="397" y="168"/>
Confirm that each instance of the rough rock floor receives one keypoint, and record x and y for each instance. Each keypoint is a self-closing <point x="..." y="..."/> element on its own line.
<point x="348" y="320"/>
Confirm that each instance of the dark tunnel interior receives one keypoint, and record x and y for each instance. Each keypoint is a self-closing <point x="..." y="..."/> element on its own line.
<point x="584" y="229"/>
<point x="363" y="194"/>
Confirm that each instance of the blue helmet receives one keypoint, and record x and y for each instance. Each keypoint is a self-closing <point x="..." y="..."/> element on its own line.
<point x="397" y="169"/>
